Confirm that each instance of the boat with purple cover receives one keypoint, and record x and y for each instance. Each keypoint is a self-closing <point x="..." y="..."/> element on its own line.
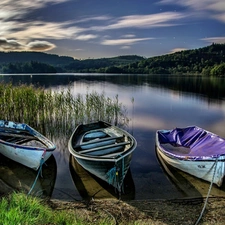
<point x="193" y="150"/>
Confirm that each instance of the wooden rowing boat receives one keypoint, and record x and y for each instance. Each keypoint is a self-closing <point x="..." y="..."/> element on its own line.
<point x="23" y="144"/>
<point x="104" y="150"/>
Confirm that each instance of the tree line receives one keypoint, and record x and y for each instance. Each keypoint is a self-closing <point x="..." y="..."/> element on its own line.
<point x="208" y="61"/>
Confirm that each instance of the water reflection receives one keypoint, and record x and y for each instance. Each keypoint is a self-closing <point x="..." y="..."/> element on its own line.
<point x="188" y="185"/>
<point x="211" y="88"/>
<point x="160" y="102"/>
<point x="90" y="186"/>
<point x="16" y="177"/>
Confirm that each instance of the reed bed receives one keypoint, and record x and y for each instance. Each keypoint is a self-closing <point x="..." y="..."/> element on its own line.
<point x="53" y="112"/>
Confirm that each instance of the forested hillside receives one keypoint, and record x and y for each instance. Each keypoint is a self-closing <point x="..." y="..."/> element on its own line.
<point x="206" y="61"/>
<point x="26" y="62"/>
<point x="209" y="60"/>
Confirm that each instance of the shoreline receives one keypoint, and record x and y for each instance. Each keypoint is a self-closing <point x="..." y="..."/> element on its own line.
<point x="185" y="211"/>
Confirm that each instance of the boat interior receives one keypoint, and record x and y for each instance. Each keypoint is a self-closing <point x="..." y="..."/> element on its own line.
<point x="19" y="137"/>
<point x="100" y="143"/>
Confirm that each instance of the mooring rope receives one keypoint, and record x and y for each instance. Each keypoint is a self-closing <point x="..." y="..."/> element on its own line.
<point x="210" y="187"/>
<point x="39" y="171"/>
<point x="122" y="175"/>
<point x="111" y="174"/>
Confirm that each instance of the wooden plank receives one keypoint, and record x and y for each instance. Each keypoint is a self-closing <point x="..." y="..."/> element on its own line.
<point x="104" y="147"/>
<point x="111" y="155"/>
<point x="99" y="140"/>
<point x="17" y="135"/>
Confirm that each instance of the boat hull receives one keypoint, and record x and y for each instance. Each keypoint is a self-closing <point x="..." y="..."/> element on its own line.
<point x="28" y="157"/>
<point x="111" y="171"/>
<point x="90" y="186"/>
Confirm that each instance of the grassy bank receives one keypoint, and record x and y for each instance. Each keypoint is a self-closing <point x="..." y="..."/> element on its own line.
<point x="19" y="208"/>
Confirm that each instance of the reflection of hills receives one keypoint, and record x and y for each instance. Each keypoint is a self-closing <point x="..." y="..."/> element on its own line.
<point x="90" y="186"/>
<point x="187" y="184"/>
<point x="210" y="87"/>
<point x="16" y="177"/>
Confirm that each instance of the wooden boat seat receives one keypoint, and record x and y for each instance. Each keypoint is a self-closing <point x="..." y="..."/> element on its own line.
<point x="104" y="147"/>
<point x="14" y="138"/>
<point x="111" y="155"/>
<point x="99" y="140"/>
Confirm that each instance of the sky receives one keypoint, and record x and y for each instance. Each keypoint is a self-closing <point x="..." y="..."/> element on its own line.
<point x="107" y="28"/>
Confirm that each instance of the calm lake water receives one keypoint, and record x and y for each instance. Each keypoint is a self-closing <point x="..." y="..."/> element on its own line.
<point x="152" y="103"/>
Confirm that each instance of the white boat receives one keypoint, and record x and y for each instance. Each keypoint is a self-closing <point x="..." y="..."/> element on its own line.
<point x="193" y="150"/>
<point x="23" y="144"/>
<point x="104" y="150"/>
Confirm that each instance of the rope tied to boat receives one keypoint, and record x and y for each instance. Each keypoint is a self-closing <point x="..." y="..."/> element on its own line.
<point x="210" y="187"/>
<point x="39" y="171"/>
<point x="123" y="174"/>
<point x="111" y="175"/>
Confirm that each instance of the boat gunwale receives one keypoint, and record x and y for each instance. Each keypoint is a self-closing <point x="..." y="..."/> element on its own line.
<point x="189" y="158"/>
<point x="26" y="147"/>
<point x="120" y="155"/>
<point x="32" y="135"/>
<point x="100" y="158"/>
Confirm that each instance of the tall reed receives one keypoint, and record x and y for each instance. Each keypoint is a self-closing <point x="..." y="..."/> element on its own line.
<point x="53" y="112"/>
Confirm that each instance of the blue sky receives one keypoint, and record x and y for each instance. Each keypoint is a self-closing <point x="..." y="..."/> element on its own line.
<point x="107" y="28"/>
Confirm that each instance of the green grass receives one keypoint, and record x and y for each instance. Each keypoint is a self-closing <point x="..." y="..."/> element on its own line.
<point x="56" y="113"/>
<point x="22" y="209"/>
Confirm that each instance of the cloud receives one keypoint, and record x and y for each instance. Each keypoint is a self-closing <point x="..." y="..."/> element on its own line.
<point x="177" y="50"/>
<point x="40" y="29"/>
<point x="40" y="46"/>
<point x="129" y="36"/>
<point x="125" y="47"/>
<point x="28" y="31"/>
<point x="220" y="17"/>
<point x="212" y="8"/>
<point x="217" y="40"/>
<point x="96" y="18"/>
<point x="17" y="9"/>
<point x="14" y="45"/>
<point x="6" y="45"/>
<point x="143" y="21"/>
<point x="128" y="41"/>
<point x="86" y="37"/>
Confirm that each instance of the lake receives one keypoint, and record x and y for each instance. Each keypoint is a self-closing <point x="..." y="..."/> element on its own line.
<point x="152" y="103"/>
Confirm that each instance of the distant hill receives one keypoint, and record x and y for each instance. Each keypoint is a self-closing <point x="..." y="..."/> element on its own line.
<point x="99" y="65"/>
<point x="20" y="62"/>
<point x="22" y="57"/>
<point x="209" y="60"/>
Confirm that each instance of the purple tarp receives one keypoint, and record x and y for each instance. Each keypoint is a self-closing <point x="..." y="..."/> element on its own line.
<point x="201" y="142"/>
